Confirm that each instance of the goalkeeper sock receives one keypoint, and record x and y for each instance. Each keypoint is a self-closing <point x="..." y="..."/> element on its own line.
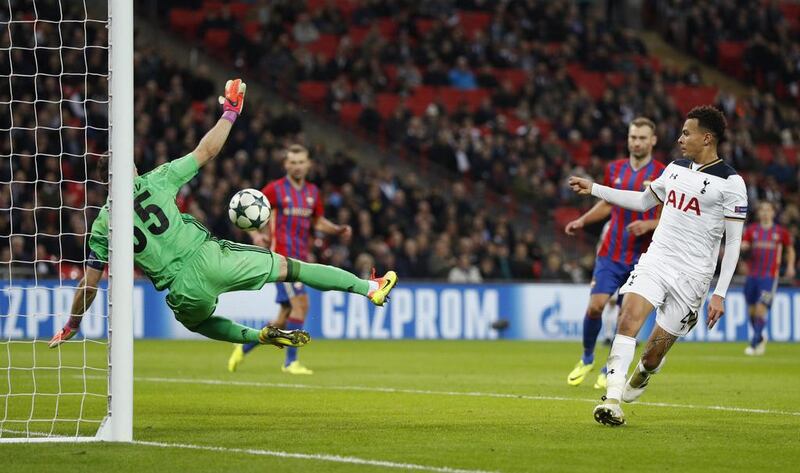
<point x="291" y="352"/>
<point x="220" y="328"/>
<point x="325" y="278"/>
<point x="619" y="360"/>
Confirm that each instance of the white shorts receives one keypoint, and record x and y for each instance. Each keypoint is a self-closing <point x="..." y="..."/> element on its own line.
<point x="676" y="296"/>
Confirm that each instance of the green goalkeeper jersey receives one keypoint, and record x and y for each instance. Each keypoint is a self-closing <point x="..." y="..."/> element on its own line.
<point x="164" y="239"/>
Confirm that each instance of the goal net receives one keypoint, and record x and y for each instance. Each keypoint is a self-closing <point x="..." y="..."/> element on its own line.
<point x="54" y="130"/>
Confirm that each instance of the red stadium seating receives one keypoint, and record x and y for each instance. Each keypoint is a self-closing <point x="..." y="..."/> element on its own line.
<point x="185" y="21"/>
<point x="594" y="83"/>
<point x="791" y="12"/>
<point x="424" y="25"/>
<point x="452" y="97"/>
<point x="791" y="153"/>
<point x="357" y="34"/>
<point x="386" y="104"/>
<point x="325" y="45"/>
<point x="518" y="77"/>
<point x="240" y="10"/>
<point x="474" y="21"/>
<point x="216" y="39"/>
<point x="350" y="112"/>
<point x="313" y="92"/>
<point x="687" y="97"/>
<point x="562" y="216"/>
<point x="764" y="153"/>
<point x="730" y="57"/>
<point x="251" y="29"/>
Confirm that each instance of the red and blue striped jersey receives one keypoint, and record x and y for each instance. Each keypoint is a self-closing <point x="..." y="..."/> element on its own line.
<point x="618" y="244"/>
<point x="293" y="210"/>
<point x="766" y="248"/>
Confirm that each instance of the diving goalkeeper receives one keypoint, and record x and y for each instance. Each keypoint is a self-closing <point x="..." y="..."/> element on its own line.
<point x="178" y="253"/>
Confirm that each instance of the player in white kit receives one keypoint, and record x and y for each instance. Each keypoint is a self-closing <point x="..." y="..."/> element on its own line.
<point x="703" y="198"/>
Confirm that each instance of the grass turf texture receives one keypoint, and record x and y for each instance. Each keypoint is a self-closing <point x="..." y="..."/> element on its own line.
<point x="325" y="415"/>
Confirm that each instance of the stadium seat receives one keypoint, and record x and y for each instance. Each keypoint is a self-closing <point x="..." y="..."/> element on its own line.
<point x="791" y="153"/>
<point x="764" y="153"/>
<point x="562" y="216"/>
<point x="474" y="21"/>
<point x="349" y="113"/>
<point x="386" y="104"/>
<point x="210" y="5"/>
<point x="185" y="21"/>
<point x="240" y="10"/>
<point x="594" y="83"/>
<point x="251" y="29"/>
<point x="216" y="39"/>
<point x="517" y="77"/>
<point x="313" y="92"/>
<point x="424" y="25"/>
<point x="687" y="97"/>
<point x="452" y="97"/>
<point x="730" y="56"/>
<point x="325" y="45"/>
<point x="357" y="34"/>
<point x="791" y="13"/>
<point x="388" y="27"/>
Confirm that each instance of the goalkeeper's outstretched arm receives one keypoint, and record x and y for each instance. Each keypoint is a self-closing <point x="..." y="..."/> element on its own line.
<point x="232" y="104"/>
<point x="84" y="296"/>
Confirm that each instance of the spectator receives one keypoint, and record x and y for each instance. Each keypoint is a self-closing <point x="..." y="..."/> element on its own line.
<point x="464" y="271"/>
<point x="461" y="77"/>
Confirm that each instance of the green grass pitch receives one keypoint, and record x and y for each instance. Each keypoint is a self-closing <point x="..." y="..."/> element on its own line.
<point x="431" y="405"/>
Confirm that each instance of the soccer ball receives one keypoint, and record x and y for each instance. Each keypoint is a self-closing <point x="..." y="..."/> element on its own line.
<point x="249" y="209"/>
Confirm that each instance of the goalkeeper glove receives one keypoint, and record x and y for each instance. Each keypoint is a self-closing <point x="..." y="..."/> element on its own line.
<point x="62" y="336"/>
<point x="233" y="101"/>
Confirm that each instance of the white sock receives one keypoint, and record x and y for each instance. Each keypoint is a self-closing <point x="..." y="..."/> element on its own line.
<point x="373" y="285"/>
<point x="619" y="360"/>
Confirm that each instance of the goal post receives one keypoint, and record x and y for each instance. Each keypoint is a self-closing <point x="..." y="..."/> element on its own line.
<point x="120" y="302"/>
<point x="66" y="102"/>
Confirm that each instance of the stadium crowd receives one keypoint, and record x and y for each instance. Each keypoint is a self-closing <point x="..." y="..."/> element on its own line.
<point x="582" y="78"/>
<point x="522" y="139"/>
<point x="760" y="41"/>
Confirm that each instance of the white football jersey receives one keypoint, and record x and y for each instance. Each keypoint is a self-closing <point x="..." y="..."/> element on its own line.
<point x="695" y="206"/>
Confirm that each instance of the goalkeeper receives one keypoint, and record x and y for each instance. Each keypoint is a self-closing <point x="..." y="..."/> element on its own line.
<point x="177" y="253"/>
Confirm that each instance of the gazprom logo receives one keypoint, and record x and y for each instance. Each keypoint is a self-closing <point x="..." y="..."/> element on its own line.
<point x="554" y="325"/>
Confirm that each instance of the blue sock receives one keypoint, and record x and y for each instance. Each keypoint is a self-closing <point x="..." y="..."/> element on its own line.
<point x="291" y="352"/>
<point x="758" y="331"/>
<point x="248" y="346"/>
<point x="591" y="327"/>
<point x="605" y="369"/>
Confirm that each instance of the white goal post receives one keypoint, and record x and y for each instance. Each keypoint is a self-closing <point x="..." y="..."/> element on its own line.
<point x="52" y="124"/>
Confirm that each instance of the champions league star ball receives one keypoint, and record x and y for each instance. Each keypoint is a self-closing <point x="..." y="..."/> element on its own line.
<point x="249" y="209"/>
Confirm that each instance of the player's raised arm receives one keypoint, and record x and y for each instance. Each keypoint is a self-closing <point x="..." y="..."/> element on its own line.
<point x="84" y="296"/>
<point x="631" y="200"/>
<point x="232" y="105"/>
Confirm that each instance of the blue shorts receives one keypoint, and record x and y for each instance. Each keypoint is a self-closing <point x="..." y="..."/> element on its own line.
<point x="287" y="290"/>
<point x="609" y="275"/>
<point x="759" y="290"/>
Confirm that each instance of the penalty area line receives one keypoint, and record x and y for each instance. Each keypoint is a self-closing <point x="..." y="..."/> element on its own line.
<point x="310" y="456"/>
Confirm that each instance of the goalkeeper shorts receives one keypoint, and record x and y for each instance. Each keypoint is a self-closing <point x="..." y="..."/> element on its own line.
<point x="219" y="266"/>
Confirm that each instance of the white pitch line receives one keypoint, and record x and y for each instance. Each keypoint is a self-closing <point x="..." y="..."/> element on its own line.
<point x="379" y="389"/>
<point x="312" y="456"/>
